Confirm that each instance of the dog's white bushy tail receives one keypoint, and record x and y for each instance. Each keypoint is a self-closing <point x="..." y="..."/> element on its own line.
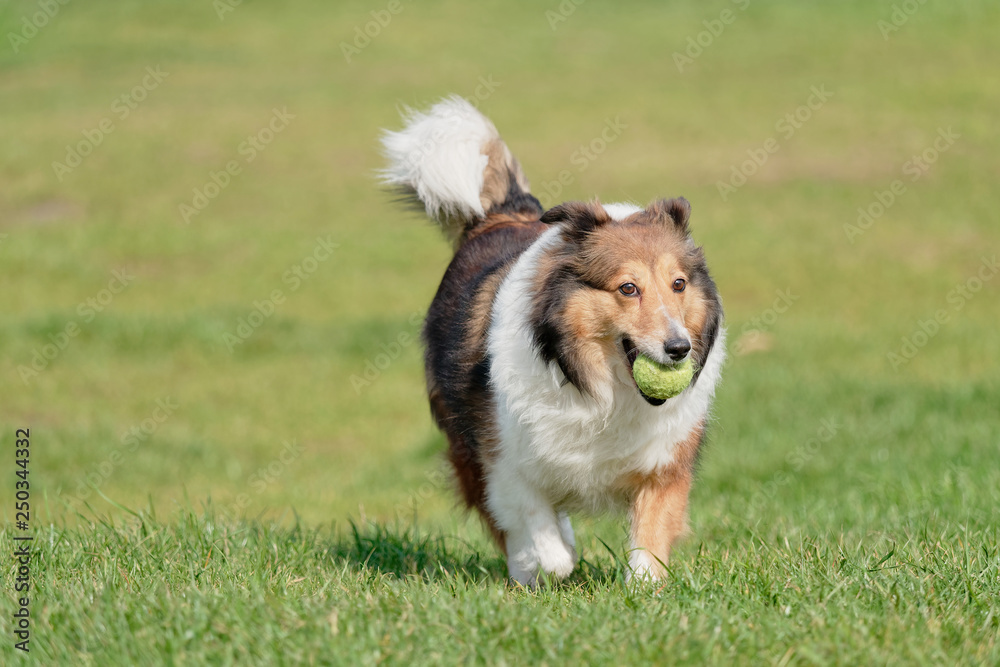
<point x="452" y="160"/>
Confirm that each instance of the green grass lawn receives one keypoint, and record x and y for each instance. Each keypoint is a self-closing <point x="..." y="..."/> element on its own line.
<point x="188" y="312"/>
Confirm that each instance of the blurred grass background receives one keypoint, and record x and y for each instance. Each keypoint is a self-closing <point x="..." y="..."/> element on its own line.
<point x="924" y="434"/>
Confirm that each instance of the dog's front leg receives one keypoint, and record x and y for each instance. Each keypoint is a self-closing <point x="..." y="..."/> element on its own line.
<point x="659" y="517"/>
<point x="538" y="540"/>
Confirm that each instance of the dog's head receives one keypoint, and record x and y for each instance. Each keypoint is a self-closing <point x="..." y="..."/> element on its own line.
<point x="617" y="285"/>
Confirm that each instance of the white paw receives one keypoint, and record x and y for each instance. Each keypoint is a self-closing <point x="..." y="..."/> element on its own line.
<point x="543" y="553"/>
<point x="557" y="560"/>
<point x="643" y="567"/>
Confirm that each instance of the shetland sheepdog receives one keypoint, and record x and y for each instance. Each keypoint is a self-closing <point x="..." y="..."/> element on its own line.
<point x="530" y="342"/>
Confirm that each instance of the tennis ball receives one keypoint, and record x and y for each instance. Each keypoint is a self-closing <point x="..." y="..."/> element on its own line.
<point x="658" y="380"/>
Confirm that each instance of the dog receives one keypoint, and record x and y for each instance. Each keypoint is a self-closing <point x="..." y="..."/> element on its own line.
<point x="530" y="342"/>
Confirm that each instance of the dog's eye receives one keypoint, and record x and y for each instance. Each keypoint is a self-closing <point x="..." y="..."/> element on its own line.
<point x="629" y="289"/>
<point x="679" y="285"/>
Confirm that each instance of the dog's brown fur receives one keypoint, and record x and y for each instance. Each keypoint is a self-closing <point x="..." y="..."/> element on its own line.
<point x="660" y="502"/>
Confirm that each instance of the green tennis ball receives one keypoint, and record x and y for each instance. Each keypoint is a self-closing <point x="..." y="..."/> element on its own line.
<point x="658" y="380"/>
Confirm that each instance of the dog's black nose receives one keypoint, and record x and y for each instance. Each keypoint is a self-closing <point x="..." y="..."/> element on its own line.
<point x="677" y="348"/>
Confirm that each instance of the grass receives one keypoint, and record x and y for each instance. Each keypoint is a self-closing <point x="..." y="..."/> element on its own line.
<point x="845" y="511"/>
<point x="192" y="590"/>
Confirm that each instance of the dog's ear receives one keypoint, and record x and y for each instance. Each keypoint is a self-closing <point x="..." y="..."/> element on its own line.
<point x="676" y="210"/>
<point x="578" y="218"/>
